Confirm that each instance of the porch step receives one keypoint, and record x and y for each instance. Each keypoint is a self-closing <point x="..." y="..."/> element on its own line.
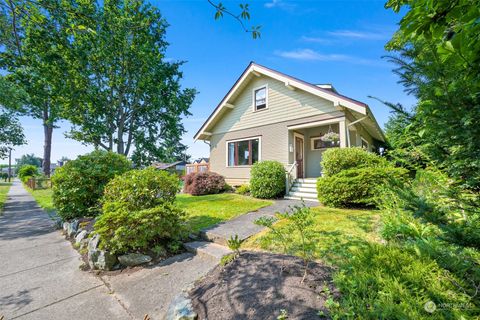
<point x="301" y="198"/>
<point x="304" y="195"/>
<point x="307" y="180"/>
<point x="207" y="249"/>
<point x="303" y="188"/>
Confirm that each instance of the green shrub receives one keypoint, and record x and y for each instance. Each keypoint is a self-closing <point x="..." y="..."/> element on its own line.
<point x="267" y="180"/>
<point x="140" y="189"/>
<point x="122" y="230"/>
<point x="139" y="211"/>
<point x="356" y="187"/>
<point x="244" y="189"/>
<point x="27" y="171"/>
<point x="335" y="160"/>
<point x="78" y="185"/>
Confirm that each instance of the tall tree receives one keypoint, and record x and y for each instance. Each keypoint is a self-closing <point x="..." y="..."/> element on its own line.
<point x="127" y="97"/>
<point x="33" y="42"/>
<point x="437" y="57"/>
<point x="28" y="159"/>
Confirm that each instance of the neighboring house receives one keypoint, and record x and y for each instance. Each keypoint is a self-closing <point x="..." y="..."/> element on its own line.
<point x="177" y="167"/>
<point x="268" y="115"/>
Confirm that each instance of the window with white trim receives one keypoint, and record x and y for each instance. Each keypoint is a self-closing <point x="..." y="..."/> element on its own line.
<point x="260" y="98"/>
<point x="243" y="152"/>
<point x="318" y="144"/>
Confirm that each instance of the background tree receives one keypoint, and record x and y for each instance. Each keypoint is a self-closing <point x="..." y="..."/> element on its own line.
<point x="437" y="57"/>
<point x="33" y="45"/>
<point x="29" y="159"/>
<point x="127" y="98"/>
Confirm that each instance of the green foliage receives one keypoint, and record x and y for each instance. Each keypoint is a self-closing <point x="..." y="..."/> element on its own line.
<point x="140" y="189"/>
<point x="267" y="180"/>
<point x="11" y="131"/>
<point x="4" y="176"/>
<point x="79" y="185"/>
<point x="29" y="159"/>
<point x="121" y="69"/>
<point x="27" y="171"/>
<point x="335" y="160"/>
<point x="283" y="315"/>
<point x="123" y="230"/>
<point x="227" y="259"/>
<point x="436" y="54"/>
<point x="244" y="189"/>
<point x="139" y="212"/>
<point x="356" y="187"/>
<point x="234" y="244"/>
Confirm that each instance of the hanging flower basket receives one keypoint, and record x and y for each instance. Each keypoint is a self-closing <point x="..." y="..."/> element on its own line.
<point x="330" y="137"/>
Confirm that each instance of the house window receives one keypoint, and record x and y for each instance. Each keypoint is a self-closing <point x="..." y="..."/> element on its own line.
<point x="318" y="144"/>
<point x="243" y="152"/>
<point x="260" y="97"/>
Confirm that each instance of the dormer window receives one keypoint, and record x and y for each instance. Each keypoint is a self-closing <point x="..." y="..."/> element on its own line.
<point x="260" y="98"/>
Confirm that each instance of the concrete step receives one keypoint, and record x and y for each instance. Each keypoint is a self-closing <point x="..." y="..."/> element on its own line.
<point x="307" y="180"/>
<point x="304" y="189"/>
<point x="304" y="195"/>
<point x="300" y="198"/>
<point x="207" y="249"/>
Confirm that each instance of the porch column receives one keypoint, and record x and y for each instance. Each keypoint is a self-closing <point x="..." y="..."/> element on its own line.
<point x="343" y="134"/>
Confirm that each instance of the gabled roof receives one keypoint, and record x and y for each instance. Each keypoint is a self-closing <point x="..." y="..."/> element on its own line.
<point x="293" y="83"/>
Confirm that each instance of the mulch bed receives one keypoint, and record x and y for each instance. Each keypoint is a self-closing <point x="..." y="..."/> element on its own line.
<point x="254" y="286"/>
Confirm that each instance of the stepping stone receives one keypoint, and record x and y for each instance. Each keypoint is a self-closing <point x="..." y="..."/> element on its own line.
<point x="207" y="249"/>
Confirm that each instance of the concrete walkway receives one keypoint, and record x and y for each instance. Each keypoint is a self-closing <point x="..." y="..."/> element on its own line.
<point x="40" y="276"/>
<point x="244" y="225"/>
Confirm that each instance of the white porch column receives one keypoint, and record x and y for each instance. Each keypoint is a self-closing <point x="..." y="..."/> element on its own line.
<point x="343" y="134"/>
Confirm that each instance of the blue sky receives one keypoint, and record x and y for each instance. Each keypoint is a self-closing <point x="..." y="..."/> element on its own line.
<point x="338" y="42"/>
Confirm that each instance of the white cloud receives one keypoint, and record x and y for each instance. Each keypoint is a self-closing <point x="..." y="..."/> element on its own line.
<point x="354" y="34"/>
<point x="279" y="4"/>
<point x="312" y="55"/>
<point x="316" y="40"/>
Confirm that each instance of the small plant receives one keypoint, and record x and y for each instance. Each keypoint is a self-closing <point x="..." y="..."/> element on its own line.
<point x="244" y="189"/>
<point x="300" y="218"/>
<point x="283" y="315"/>
<point x="227" y="259"/>
<point x="269" y="222"/>
<point x="234" y="243"/>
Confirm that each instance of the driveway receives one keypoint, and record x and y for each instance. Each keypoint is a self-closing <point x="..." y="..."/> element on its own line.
<point x="40" y="276"/>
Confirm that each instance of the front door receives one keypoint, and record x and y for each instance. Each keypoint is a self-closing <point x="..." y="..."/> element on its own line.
<point x="299" y="155"/>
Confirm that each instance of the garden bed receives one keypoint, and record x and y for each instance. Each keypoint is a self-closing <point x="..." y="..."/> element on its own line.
<point x="254" y="286"/>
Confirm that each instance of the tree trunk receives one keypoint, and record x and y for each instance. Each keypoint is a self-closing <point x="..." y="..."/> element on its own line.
<point x="47" y="148"/>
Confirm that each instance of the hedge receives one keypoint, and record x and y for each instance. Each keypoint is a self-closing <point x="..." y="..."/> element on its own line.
<point x="267" y="180"/>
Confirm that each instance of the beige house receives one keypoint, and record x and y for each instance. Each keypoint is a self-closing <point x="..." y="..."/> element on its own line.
<point x="268" y="115"/>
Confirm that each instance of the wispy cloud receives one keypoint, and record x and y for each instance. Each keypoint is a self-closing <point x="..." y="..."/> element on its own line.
<point x="281" y="4"/>
<point x="312" y="55"/>
<point x="316" y="40"/>
<point x="355" y="34"/>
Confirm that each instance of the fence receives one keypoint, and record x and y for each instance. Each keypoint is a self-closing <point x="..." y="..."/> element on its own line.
<point x="197" y="167"/>
<point x="39" y="183"/>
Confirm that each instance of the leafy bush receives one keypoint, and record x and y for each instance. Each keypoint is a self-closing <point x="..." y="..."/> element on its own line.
<point x="243" y="189"/>
<point x="27" y="171"/>
<point x="78" y="185"/>
<point x="202" y="183"/>
<point x="140" y="189"/>
<point x="139" y="211"/>
<point x="335" y="160"/>
<point x="267" y="180"/>
<point x="122" y="230"/>
<point x="356" y="187"/>
<point x="4" y="176"/>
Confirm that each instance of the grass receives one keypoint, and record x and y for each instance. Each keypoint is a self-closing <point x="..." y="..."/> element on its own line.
<point x="4" y="187"/>
<point x="334" y="233"/>
<point x="204" y="211"/>
<point x="43" y="198"/>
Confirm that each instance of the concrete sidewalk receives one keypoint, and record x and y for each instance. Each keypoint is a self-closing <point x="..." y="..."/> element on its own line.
<point x="40" y="276"/>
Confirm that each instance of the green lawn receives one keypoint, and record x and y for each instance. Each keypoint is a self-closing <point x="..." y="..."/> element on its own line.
<point x="204" y="211"/>
<point x="4" y="187"/>
<point x="43" y="198"/>
<point x="335" y="232"/>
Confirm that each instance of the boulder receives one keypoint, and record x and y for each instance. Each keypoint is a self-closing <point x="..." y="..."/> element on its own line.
<point x="93" y="243"/>
<point x="134" y="259"/>
<point x="101" y="260"/>
<point x="81" y="236"/>
<point x="181" y="309"/>
<point x="72" y="228"/>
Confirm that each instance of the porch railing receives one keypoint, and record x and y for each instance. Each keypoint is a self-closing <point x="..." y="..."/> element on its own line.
<point x="290" y="176"/>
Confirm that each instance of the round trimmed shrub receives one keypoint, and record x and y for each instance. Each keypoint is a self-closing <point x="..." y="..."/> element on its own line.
<point x="335" y="160"/>
<point x="244" y="189"/>
<point x="267" y="180"/>
<point x="140" y="189"/>
<point x="202" y="183"/>
<point x="139" y="211"/>
<point x="356" y="187"/>
<point x="78" y="186"/>
<point x="26" y="172"/>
